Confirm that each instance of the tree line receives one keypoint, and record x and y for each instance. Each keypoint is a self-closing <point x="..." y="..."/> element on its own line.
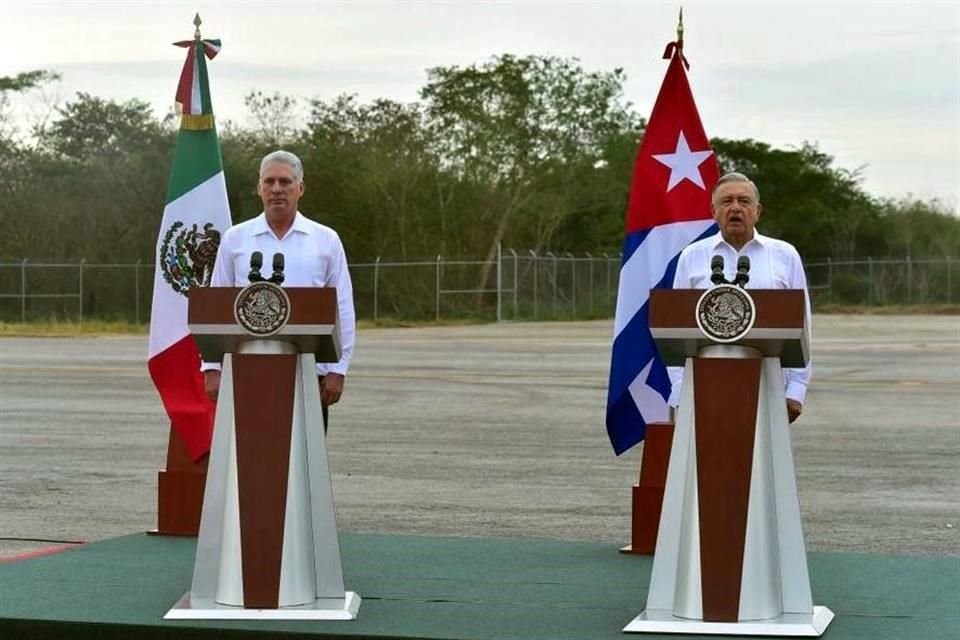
<point x="531" y="152"/>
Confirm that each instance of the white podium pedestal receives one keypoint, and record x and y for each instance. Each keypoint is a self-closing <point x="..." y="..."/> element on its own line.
<point x="759" y="583"/>
<point x="310" y="584"/>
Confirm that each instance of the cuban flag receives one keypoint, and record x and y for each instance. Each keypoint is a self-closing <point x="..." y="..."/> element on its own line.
<point x="668" y="208"/>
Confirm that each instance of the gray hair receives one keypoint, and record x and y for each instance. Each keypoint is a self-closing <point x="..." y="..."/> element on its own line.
<point x="733" y="176"/>
<point x="283" y="157"/>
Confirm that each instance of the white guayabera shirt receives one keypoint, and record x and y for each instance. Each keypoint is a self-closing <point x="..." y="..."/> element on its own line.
<point x="774" y="264"/>
<point x="313" y="257"/>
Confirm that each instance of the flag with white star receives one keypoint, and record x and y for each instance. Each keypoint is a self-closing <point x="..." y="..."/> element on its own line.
<point x="668" y="208"/>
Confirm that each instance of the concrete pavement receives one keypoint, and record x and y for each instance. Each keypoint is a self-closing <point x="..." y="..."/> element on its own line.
<point x="495" y="430"/>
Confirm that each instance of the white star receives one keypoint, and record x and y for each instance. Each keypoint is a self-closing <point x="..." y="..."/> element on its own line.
<point x="683" y="163"/>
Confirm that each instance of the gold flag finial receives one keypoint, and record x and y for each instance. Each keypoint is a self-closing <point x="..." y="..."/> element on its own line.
<point x="680" y="28"/>
<point x="197" y="22"/>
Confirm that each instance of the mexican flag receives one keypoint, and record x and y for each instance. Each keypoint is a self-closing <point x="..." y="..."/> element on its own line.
<point x="195" y="216"/>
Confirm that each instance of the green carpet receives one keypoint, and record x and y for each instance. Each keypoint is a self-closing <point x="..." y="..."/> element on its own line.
<point x="449" y="588"/>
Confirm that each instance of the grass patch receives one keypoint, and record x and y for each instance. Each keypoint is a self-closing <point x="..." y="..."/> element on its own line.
<point x="93" y="328"/>
<point x="64" y="329"/>
<point x="890" y="309"/>
<point x="395" y="323"/>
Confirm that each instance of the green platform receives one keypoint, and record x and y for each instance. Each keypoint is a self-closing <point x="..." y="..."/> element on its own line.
<point x="449" y="588"/>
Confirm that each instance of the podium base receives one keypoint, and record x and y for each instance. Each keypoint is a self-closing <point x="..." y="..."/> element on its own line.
<point x="179" y="501"/>
<point x="789" y="624"/>
<point x="188" y="608"/>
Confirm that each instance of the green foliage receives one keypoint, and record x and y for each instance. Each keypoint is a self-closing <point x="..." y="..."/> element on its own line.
<point x="274" y="117"/>
<point x="526" y="133"/>
<point x="20" y="83"/>
<point x="533" y="152"/>
<point x="26" y="80"/>
<point x="90" y="186"/>
<point x="382" y="181"/>
<point x="90" y="127"/>
<point x="805" y="200"/>
<point x="918" y="228"/>
<point x="825" y="212"/>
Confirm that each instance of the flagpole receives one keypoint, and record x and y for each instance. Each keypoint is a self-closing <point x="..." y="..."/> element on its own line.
<point x="639" y="388"/>
<point x="192" y="118"/>
<point x="679" y="30"/>
<point x="195" y="215"/>
<point x="676" y="47"/>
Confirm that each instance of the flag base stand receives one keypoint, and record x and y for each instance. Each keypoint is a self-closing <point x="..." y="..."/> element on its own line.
<point x="188" y="608"/>
<point x="179" y="492"/>
<point x="648" y="492"/>
<point x="789" y="624"/>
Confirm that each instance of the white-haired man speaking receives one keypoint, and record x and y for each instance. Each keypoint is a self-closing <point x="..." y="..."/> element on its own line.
<point x="774" y="264"/>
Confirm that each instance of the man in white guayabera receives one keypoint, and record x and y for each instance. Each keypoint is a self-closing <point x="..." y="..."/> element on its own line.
<point x="774" y="264"/>
<point x="313" y="257"/>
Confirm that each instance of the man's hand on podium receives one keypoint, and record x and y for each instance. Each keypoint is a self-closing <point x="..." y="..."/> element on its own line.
<point x="794" y="409"/>
<point x="211" y="383"/>
<point x="331" y="386"/>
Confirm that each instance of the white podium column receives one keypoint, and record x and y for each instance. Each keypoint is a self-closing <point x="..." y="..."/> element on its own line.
<point x="774" y="589"/>
<point x="310" y="584"/>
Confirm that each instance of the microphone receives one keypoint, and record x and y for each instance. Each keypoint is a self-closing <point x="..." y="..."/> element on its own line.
<point x="277" y="277"/>
<point x="743" y="267"/>
<point x="256" y="261"/>
<point x="716" y="267"/>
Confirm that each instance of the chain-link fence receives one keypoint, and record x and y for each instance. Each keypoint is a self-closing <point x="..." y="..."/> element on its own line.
<point x="514" y="286"/>
<point x="885" y="281"/>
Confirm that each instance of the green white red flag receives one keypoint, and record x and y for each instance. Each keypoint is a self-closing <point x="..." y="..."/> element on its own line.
<point x="195" y="216"/>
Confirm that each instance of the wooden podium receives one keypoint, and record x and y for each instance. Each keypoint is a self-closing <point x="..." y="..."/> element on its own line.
<point x="267" y="546"/>
<point x="730" y="555"/>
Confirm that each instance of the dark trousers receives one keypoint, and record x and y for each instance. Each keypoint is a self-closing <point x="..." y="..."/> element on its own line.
<point x="323" y="407"/>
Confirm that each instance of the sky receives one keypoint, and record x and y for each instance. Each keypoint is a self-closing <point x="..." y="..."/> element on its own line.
<point x="876" y="85"/>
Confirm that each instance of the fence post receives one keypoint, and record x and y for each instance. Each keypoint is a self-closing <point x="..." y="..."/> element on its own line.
<point x="376" y="288"/>
<point x="23" y="290"/>
<point x="606" y="268"/>
<point x="80" y="306"/>
<point x="949" y="296"/>
<point x="516" y="281"/>
<point x="909" y="280"/>
<point x="536" y="269"/>
<point x="869" y="281"/>
<point x="590" y="288"/>
<point x="437" y="305"/>
<point x="499" y="281"/>
<point x="136" y="292"/>
<point x="573" y="284"/>
<point x="550" y="253"/>
<point x="829" y="280"/>
<point x="618" y="269"/>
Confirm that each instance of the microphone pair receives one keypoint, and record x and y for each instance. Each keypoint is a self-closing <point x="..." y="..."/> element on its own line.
<point x="256" y="262"/>
<point x="743" y="269"/>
